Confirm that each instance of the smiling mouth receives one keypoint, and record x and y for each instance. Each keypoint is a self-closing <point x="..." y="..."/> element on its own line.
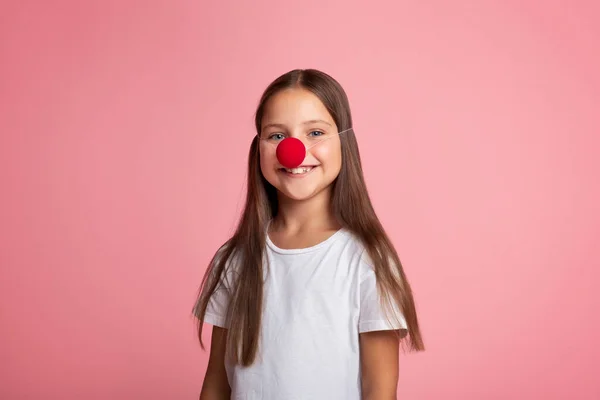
<point x="298" y="170"/>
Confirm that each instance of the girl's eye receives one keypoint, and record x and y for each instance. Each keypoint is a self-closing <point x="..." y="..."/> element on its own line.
<point x="316" y="133"/>
<point x="276" y="136"/>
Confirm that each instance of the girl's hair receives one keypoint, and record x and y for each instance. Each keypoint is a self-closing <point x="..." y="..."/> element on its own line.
<point x="351" y="205"/>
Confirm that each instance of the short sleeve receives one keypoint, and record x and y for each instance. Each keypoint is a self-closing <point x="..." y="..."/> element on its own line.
<point x="372" y="314"/>
<point x="216" y="310"/>
<point x="218" y="304"/>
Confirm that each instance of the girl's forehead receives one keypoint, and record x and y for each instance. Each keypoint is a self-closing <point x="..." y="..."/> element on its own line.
<point x="295" y="106"/>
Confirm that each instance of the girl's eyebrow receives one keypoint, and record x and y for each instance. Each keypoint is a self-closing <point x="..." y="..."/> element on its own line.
<point x="312" y="121"/>
<point x="282" y="126"/>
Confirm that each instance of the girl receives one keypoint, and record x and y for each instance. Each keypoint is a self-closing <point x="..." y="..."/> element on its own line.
<point x="308" y="299"/>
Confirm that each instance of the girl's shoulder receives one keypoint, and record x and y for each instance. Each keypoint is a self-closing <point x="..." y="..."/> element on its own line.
<point x="357" y="251"/>
<point x="365" y="261"/>
<point x="232" y="264"/>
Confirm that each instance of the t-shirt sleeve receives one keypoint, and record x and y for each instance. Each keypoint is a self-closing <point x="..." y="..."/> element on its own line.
<point x="372" y="314"/>
<point x="216" y="310"/>
<point x="218" y="303"/>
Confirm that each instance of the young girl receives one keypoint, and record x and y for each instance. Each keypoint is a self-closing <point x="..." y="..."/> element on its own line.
<point x="308" y="299"/>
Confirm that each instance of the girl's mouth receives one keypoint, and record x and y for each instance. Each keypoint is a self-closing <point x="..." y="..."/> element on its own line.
<point x="299" y="171"/>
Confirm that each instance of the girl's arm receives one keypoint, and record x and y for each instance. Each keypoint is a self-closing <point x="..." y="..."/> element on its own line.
<point x="215" y="385"/>
<point x="379" y="364"/>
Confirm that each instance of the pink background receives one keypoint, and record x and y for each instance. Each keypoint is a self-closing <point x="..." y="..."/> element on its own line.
<point x="124" y="135"/>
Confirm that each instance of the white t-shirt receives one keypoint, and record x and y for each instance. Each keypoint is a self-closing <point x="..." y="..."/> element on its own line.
<point x="316" y="302"/>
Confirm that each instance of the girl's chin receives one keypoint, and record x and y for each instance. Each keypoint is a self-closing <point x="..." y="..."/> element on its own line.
<point x="301" y="194"/>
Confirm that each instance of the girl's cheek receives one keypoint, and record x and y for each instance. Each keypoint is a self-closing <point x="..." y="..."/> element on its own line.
<point x="328" y="152"/>
<point x="323" y="150"/>
<point x="267" y="156"/>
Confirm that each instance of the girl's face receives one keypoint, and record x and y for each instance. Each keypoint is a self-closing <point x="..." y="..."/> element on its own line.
<point x="299" y="113"/>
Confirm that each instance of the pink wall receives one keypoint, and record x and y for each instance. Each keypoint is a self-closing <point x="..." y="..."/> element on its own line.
<point x="124" y="131"/>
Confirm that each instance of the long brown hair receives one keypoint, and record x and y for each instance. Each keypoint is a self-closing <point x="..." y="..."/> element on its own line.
<point x="351" y="205"/>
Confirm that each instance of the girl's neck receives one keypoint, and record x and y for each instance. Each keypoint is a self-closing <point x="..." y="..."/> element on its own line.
<point x="310" y="215"/>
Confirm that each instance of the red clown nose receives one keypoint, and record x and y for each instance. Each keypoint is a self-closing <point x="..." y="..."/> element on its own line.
<point x="290" y="152"/>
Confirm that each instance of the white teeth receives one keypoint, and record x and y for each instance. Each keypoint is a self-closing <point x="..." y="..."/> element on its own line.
<point x="296" y="171"/>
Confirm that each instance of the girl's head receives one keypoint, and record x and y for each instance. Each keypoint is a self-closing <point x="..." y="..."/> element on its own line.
<point x="311" y="106"/>
<point x="308" y="105"/>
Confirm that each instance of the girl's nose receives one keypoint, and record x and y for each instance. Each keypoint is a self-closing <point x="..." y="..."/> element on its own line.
<point x="291" y="152"/>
